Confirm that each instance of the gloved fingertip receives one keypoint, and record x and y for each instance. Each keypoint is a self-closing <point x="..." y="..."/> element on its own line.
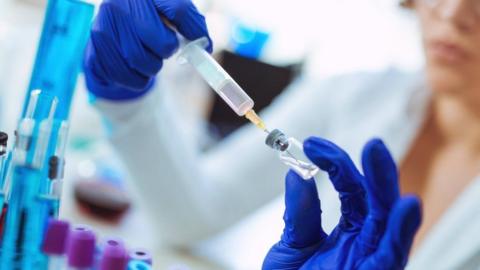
<point x="300" y="195"/>
<point x="292" y="176"/>
<point x="317" y="145"/>
<point x="323" y="153"/>
<point x="381" y="176"/>
<point x="302" y="214"/>
<point x="170" y="43"/>
<point x="375" y="141"/>
<point x="209" y="48"/>
<point x="293" y="182"/>
<point x="375" y="149"/>
<point x="413" y="212"/>
<point x="147" y="87"/>
<point x="405" y="221"/>
<point x="310" y="142"/>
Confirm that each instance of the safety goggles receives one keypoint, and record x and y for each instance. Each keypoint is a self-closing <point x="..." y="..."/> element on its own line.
<point x="436" y="4"/>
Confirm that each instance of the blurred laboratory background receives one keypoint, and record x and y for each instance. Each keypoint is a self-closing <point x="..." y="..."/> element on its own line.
<point x="277" y="41"/>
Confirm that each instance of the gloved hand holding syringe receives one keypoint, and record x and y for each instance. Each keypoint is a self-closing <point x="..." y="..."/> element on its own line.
<point x="290" y="149"/>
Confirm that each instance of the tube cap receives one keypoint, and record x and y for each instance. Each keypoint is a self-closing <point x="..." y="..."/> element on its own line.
<point x="142" y="255"/>
<point x="53" y="167"/>
<point x="114" y="255"/>
<point x="3" y="138"/>
<point x="55" y="239"/>
<point x="81" y="247"/>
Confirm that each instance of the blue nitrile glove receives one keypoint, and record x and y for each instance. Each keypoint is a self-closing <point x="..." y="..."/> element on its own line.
<point x="377" y="226"/>
<point x="129" y="41"/>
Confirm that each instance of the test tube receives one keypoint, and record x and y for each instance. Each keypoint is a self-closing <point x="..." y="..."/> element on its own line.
<point x="3" y="153"/>
<point x="56" y="162"/>
<point x="3" y="167"/>
<point x="195" y="54"/>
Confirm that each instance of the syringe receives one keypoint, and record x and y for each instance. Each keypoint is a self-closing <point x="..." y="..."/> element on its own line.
<point x="290" y="150"/>
<point x="195" y="54"/>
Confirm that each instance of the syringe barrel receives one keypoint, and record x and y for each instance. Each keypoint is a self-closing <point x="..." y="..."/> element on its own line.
<point x="195" y="54"/>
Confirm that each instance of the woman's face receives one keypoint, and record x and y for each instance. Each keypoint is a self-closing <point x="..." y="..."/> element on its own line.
<point x="451" y="37"/>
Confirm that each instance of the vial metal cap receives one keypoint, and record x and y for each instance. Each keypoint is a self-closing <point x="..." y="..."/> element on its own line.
<point x="277" y="140"/>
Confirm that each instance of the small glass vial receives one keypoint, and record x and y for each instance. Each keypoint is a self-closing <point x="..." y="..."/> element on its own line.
<point x="291" y="153"/>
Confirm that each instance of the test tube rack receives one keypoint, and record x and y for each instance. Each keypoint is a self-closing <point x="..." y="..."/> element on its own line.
<point x="31" y="171"/>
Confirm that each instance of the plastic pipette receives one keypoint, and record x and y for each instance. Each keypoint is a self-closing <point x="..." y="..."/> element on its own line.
<point x="195" y="54"/>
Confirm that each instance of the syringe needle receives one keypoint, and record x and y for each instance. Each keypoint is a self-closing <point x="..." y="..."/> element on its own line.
<point x="256" y="120"/>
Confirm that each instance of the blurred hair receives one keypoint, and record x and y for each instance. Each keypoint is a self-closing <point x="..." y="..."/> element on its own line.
<point x="406" y="3"/>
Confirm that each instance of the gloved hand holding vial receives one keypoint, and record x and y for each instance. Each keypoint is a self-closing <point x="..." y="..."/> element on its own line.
<point x="290" y="149"/>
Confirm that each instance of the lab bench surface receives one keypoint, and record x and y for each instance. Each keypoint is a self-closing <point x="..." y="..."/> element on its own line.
<point x="134" y="228"/>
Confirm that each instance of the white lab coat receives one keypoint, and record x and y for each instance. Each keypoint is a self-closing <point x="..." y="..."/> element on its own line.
<point x="192" y="195"/>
